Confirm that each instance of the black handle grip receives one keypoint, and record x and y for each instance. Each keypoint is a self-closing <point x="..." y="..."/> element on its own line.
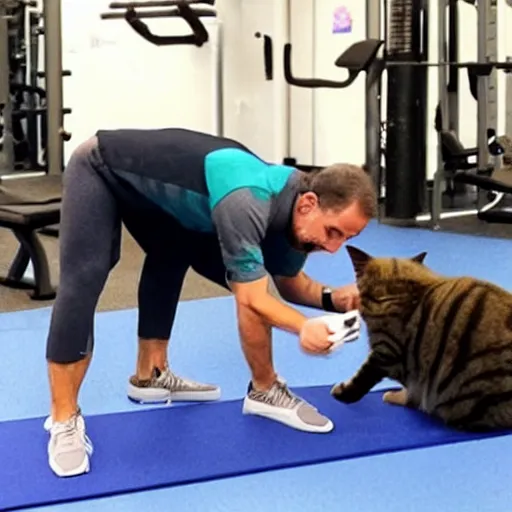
<point x="198" y="38"/>
<point x="173" y="12"/>
<point x="267" y="55"/>
<point x="312" y="83"/>
<point x="157" y="3"/>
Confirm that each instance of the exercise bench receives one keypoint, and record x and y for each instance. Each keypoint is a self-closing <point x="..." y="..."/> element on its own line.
<point x="26" y="206"/>
<point x="460" y="165"/>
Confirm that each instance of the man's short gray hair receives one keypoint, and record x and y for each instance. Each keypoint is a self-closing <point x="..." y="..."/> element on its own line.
<point x="339" y="185"/>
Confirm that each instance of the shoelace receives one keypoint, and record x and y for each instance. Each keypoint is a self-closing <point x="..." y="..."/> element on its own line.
<point x="68" y="433"/>
<point x="279" y="395"/>
<point x="170" y="380"/>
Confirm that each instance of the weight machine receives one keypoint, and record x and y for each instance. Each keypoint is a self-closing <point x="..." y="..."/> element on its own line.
<point x="30" y="190"/>
<point x="30" y="203"/>
<point x="31" y="112"/>
<point x="356" y="59"/>
<point x="406" y="61"/>
<point x="396" y="150"/>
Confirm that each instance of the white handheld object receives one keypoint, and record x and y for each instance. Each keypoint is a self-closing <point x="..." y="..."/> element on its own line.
<point x="345" y="327"/>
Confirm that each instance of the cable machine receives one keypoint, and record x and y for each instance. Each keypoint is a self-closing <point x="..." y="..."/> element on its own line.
<point x="406" y="198"/>
<point x="31" y="113"/>
<point x="31" y="205"/>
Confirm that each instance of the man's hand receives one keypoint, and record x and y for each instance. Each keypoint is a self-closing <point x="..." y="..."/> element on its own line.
<point x="313" y="337"/>
<point x="346" y="298"/>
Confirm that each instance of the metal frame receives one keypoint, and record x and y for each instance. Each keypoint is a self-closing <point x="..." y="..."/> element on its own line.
<point x="53" y="84"/>
<point x="30" y="251"/>
<point x="486" y="107"/>
<point x="508" y="100"/>
<point x="53" y="74"/>
<point x="7" y="152"/>
<point x="373" y="99"/>
<point x="448" y="100"/>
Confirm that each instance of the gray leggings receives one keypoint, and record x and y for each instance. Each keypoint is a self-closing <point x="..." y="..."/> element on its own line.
<point x="90" y="237"/>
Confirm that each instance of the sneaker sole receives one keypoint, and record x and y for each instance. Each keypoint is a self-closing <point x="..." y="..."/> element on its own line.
<point x="159" y="396"/>
<point x="289" y="418"/>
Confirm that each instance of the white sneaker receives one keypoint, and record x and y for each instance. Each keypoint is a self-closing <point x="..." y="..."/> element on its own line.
<point x="69" y="448"/>
<point x="280" y="404"/>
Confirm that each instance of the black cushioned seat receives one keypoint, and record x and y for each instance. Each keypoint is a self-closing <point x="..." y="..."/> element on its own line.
<point x="27" y="205"/>
<point x="355" y="59"/>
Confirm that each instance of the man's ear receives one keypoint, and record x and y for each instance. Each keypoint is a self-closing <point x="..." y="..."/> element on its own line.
<point x="419" y="257"/>
<point x="307" y="202"/>
<point x="359" y="259"/>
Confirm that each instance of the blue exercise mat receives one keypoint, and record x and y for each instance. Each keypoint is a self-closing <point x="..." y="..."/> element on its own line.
<point x="135" y="451"/>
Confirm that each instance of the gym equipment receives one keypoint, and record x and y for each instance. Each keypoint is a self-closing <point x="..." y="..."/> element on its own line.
<point x="32" y="121"/>
<point x="404" y="55"/>
<point x="355" y="59"/>
<point x="26" y="206"/>
<point x="480" y="173"/>
<point x="182" y="9"/>
<point x="406" y="43"/>
<point x="190" y="11"/>
<point x="30" y="202"/>
<point x="196" y="454"/>
<point x="30" y="198"/>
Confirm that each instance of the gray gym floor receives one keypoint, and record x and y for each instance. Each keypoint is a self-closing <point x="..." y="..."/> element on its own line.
<point x="121" y="289"/>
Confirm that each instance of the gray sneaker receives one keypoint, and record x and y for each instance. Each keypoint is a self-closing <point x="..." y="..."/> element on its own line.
<point x="69" y="448"/>
<point x="281" y="405"/>
<point x="165" y="386"/>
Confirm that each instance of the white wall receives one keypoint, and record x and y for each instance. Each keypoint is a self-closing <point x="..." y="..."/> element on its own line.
<point x="254" y="108"/>
<point x="339" y="114"/>
<point x="119" y="80"/>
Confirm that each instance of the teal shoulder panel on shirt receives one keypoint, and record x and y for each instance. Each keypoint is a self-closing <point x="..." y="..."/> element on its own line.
<point x="189" y="208"/>
<point x="229" y="169"/>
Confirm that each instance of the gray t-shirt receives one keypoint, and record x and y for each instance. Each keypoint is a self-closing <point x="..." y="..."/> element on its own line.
<point x="212" y="185"/>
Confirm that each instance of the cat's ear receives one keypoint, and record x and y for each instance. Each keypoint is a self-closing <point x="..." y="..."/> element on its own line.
<point x="419" y="257"/>
<point x="359" y="259"/>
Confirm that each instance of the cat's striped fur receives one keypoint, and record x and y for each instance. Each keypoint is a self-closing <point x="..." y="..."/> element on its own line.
<point x="447" y="341"/>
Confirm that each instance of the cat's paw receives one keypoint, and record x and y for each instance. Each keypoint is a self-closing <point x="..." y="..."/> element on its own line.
<point x="343" y="392"/>
<point x="396" y="397"/>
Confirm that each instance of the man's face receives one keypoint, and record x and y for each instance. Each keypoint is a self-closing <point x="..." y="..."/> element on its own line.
<point x="314" y="229"/>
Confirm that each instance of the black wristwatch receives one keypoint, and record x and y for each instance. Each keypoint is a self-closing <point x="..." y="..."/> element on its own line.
<point x="327" y="303"/>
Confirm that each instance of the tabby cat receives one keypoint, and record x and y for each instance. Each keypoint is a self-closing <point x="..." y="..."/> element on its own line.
<point x="447" y="341"/>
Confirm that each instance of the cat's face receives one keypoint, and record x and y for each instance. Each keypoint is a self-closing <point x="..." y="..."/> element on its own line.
<point x="388" y="286"/>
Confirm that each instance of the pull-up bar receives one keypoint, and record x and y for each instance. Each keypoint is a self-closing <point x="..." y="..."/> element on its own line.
<point x="159" y="13"/>
<point x="181" y="9"/>
<point x="157" y="3"/>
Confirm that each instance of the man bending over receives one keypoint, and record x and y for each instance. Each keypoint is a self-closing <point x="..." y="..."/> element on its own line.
<point x="193" y="200"/>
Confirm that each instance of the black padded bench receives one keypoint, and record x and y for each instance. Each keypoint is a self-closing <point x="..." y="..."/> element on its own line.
<point x="26" y="206"/>
<point x="461" y="170"/>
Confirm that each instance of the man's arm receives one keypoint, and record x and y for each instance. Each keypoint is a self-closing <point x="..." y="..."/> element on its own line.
<point x="305" y="291"/>
<point x="255" y="296"/>
<point x="300" y="290"/>
<point x="241" y="222"/>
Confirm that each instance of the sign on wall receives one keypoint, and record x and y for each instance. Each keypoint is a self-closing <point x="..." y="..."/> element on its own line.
<point x="342" y="21"/>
